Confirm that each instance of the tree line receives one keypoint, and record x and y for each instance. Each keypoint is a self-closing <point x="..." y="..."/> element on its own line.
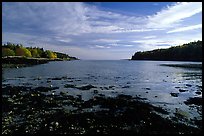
<point x="11" y="49"/>
<point x="187" y="52"/>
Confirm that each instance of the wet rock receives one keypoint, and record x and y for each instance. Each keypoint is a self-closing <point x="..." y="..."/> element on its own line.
<point x="21" y="77"/>
<point x="63" y="93"/>
<point x="45" y="89"/>
<point x="147" y="88"/>
<point x="112" y="86"/>
<point x="102" y="95"/>
<point x="69" y="86"/>
<point x="70" y="78"/>
<point x="78" y="80"/>
<point x="194" y="100"/>
<point x="48" y="81"/>
<point x="198" y="92"/>
<point x="174" y="94"/>
<point x="95" y="91"/>
<point x="182" y="90"/>
<point x="56" y="78"/>
<point x="126" y="87"/>
<point x="79" y="96"/>
<point x="86" y="87"/>
<point x="106" y="88"/>
<point x="181" y="113"/>
<point x="189" y="85"/>
<point x="35" y="113"/>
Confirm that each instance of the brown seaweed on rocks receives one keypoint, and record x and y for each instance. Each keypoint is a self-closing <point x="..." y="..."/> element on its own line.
<point x="31" y="111"/>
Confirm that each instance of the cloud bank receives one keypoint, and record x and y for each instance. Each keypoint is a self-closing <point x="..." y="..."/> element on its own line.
<point x="89" y="32"/>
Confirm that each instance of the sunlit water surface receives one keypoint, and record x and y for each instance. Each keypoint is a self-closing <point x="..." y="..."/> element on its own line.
<point x="146" y="79"/>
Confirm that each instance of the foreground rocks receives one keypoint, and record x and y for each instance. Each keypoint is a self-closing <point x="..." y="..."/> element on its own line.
<point x="33" y="111"/>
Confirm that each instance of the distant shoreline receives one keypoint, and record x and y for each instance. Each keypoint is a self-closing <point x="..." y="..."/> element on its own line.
<point x="164" y="60"/>
<point x="20" y="61"/>
<point x="198" y="66"/>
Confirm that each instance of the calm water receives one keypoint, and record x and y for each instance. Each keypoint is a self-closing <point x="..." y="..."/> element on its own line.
<point x="146" y="79"/>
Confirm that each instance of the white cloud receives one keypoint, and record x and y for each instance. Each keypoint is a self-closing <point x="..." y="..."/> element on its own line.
<point x="100" y="46"/>
<point x="174" y="14"/>
<point x="149" y="37"/>
<point x="199" y="26"/>
<point x="128" y="45"/>
<point x="164" y="42"/>
<point x="87" y="31"/>
<point x="106" y="40"/>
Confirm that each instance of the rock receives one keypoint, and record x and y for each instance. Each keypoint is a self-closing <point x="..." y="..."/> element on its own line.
<point x="45" y="89"/>
<point x="48" y="81"/>
<point x="111" y="86"/>
<point x="189" y="85"/>
<point x="182" y="90"/>
<point x="69" y="86"/>
<point x="147" y="88"/>
<point x="62" y="93"/>
<point x="126" y="87"/>
<point x="79" y="96"/>
<point x="181" y="113"/>
<point x="86" y="87"/>
<point x="198" y="93"/>
<point x="174" y="94"/>
<point x="95" y="91"/>
<point x="195" y="100"/>
<point x="106" y="88"/>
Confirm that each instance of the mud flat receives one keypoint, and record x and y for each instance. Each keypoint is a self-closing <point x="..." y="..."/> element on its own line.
<point x="34" y="111"/>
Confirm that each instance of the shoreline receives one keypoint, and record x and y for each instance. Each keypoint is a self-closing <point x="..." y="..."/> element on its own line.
<point x="20" y="61"/>
<point x="164" y="60"/>
<point x="99" y="115"/>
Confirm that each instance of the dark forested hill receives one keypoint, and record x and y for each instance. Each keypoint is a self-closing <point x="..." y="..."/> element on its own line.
<point x="187" y="52"/>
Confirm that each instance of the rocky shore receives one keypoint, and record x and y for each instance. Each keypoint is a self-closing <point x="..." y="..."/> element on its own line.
<point x="42" y="111"/>
<point x="19" y="61"/>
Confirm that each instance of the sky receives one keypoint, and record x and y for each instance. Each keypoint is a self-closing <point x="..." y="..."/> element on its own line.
<point x="101" y="30"/>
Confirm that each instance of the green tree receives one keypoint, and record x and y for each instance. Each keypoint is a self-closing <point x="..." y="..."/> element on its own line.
<point x="7" y="52"/>
<point x="23" y="52"/>
<point x="27" y="52"/>
<point x="50" y="54"/>
<point x="34" y="53"/>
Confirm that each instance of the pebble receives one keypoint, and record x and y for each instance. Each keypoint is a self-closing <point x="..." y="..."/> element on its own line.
<point x="188" y="85"/>
<point x="174" y="94"/>
<point x="198" y="93"/>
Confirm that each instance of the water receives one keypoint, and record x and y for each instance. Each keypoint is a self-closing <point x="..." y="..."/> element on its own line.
<point x="146" y="79"/>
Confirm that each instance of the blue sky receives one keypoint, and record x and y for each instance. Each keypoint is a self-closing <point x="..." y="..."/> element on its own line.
<point x="106" y="30"/>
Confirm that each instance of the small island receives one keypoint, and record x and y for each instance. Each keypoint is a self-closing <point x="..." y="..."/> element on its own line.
<point x="187" y="52"/>
<point x="16" y="55"/>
